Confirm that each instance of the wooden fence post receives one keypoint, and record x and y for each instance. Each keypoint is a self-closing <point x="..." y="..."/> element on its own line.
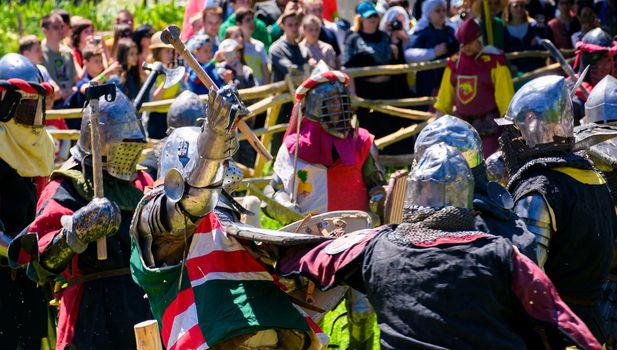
<point x="147" y="335"/>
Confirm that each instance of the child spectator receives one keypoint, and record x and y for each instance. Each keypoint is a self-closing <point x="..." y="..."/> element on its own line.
<point x="254" y="50"/>
<point x="202" y="48"/>
<point x="233" y="69"/>
<point x="318" y="50"/>
<point x="285" y="52"/>
<point x="128" y="58"/>
<point x="57" y="58"/>
<point x="93" y="71"/>
<point x="156" y="125"/>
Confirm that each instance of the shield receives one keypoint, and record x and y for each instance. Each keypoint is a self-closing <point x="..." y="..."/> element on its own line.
<point x="395" y="197"/>
<point x="466" y="88"/>
<point x="332" y="224"/>
<point x="280" y="238"/>
<point x="335" y="223"/>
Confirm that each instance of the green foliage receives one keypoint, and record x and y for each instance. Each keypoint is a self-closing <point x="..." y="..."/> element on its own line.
<point x="102" y="14"/>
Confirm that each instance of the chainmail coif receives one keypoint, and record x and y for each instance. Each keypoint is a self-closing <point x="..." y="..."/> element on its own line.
<point x="426" y="224"/>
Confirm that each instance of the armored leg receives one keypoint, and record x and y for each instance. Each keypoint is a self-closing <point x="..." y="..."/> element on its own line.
<point x="361" y="318"/>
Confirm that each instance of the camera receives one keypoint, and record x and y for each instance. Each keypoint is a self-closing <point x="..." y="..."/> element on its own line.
<point x="396" y="25"/>
<point x="97" y="40"/>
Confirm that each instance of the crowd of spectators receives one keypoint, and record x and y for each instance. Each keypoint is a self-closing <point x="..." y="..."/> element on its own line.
<point x="252" y="44"/>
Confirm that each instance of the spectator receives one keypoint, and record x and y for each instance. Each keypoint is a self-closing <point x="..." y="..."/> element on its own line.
<point x="57" y="58"/>
<point x="156" y="124"/>
<point x="317" y="49"/>
<point x="588" y="20"/>
<point x="495" y="8"/>
<point x="233" y="69"/>
<point x="607" y="14"/>
<point x="261" y="31"/>
<point x="124" y="20"/>
<point x="128" y="58"/>
<point x="197" y="23"/>
<point x="94" y="70"/>
<point x="458" y="14"/>
<point x="211" y="18"/>
<point x="66" y="20"/>
<point x="82" y="34"/>
<point x="121" y="31"/>
<point x="329" y="32"/>
<point x="521" y="35"/>
<point x="564" y="25"/>
<point x="286" y="53"/>
<point x="367" y="46"/>
<point x="203" y="49"/>
<point x="270" y="11"/>
<point x="30" y="47"/>
<point x="254" y="50"/>
<point x="141" y="37"/>
<point x="431" y="39"/>
<point x="125" y="17"/>
<point x="478" y="83"/>
<point x="275" y="29"/>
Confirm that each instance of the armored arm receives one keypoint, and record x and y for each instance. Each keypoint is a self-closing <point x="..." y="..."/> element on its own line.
<point x="375" y="179"/>
<point x="189" y="197"/>
<point x="536" y="214"/>
<point x="100" y="218"/>
<point x="276" y="192"/>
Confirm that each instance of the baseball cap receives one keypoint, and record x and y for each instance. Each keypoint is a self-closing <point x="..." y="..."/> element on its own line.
<point x="366" y="9"/>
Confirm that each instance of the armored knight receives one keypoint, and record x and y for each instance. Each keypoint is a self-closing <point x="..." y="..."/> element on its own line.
<point x="490" y="199"/>
<point x="26" y="152"/>
<point x="596" y="50"/>
<point x="326" y="164"/>
<point x="423" y="276"/>
<point x="561" y="197"/>
<point x="206" y="288"/>
<point x="99" y="303"/>
<point x="601" y="113"/>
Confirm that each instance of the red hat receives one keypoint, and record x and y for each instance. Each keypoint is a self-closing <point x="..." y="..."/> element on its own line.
<point x="468" y="32"/>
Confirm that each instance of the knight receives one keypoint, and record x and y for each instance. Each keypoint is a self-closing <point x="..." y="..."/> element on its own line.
<point x="560" y="195"/>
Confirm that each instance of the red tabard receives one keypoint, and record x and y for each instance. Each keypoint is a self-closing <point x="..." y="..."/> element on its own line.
<point x="346" y="187"/>
<point x="473" y="85"/>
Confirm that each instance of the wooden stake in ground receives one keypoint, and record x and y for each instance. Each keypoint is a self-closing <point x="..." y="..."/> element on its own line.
<point x="147" y="335"/>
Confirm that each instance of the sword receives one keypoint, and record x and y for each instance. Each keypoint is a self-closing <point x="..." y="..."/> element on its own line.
<point x="556" y="54"/>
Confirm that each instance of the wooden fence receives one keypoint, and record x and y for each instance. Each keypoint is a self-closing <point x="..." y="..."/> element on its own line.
<point x="271" y="97"/>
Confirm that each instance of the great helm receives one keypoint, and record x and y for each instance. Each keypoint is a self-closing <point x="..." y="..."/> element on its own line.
<point x="22" y="92"/>
<point x="122" y="137"/>
<point x="180" y="151"/>
<point x="185" y="110"/>
<point x="542" y="111"/>
<point x="454" y="132"/>
<point x="441" y="178"/>
<point x="325" y="99"/>
<point x="601" y="105"/>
